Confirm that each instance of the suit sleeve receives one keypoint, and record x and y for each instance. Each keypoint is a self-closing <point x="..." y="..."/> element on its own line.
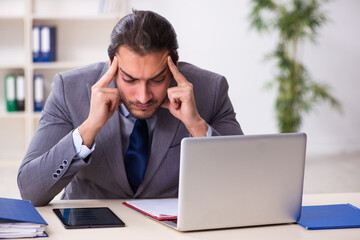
<point x="50" y="163"/>
<point x="223" y="118"/>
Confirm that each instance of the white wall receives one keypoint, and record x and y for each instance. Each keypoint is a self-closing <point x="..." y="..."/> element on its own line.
<point x="215" y="35"/>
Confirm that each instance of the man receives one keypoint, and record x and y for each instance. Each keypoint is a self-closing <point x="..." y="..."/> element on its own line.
<point x="114" y="130"/>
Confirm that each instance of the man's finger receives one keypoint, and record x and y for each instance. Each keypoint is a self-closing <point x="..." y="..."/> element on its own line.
<point x="115" y="105"/>
<point x="179" y="78"/>
<point x="109" y="75"/>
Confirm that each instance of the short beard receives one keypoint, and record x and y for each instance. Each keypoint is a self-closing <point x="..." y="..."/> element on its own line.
<point x="146" y="114"/>
<point x="128" y="106"/>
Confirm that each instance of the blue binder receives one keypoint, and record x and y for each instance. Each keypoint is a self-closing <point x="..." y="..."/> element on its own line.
<point x="39" y="92"/>
<point x="47" y="44"/>
<point x="330" y="217"/>
<point x="20" y="219"/>
<point x="36" y="43"/>
<point x="19" y="211"/>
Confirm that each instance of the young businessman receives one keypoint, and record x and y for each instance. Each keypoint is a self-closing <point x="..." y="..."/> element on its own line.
<point x="113" y="130"/>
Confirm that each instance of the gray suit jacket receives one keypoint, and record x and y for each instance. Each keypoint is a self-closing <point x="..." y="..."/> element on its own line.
<point x="50" y="164"/>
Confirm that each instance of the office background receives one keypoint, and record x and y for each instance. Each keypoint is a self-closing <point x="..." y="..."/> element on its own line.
<point x="215" y="35"/>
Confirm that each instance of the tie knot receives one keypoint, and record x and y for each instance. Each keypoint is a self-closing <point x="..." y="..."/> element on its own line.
<point x="141" y="126"/>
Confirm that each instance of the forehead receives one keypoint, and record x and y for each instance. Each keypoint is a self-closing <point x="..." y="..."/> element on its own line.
<point x="141" y="66"/>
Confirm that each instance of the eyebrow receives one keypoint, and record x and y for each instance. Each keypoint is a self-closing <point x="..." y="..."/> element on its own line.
<point x="152" y="78"/>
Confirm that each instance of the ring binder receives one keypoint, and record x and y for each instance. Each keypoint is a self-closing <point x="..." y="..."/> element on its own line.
<point x="39" y="89"/>
<point x="10" y="92"/>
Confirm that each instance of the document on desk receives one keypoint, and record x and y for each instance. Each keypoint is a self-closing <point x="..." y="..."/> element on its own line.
<point x="160" y="209"/>
<point x="330" y="217"/>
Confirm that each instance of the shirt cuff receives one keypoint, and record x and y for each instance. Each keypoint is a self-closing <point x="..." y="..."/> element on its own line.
<point x="82" y="151"/>
<point x="209" y="132"/>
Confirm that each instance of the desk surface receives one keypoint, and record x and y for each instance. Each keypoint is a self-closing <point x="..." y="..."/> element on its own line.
<point x="140" y="227"/>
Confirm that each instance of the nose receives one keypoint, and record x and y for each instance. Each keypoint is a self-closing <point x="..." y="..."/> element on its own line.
<point x="143" y="94"/>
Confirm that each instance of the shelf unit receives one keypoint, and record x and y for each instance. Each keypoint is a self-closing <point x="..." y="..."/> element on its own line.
<point x="83" y="35"/>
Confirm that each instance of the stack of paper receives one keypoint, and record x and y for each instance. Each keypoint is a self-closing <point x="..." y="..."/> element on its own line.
<point x="160" y="209"/>
<point x="19" y="218"/>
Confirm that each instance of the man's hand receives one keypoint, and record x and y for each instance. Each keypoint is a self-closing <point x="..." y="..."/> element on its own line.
<point x="104" y="102"/>
<point x="182" y="105"/>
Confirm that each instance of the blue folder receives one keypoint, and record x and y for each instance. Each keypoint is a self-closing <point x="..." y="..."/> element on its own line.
<point x="39" y="92"/>
<point x="44" y="43"/>
<point x="36" y="43"/>
<point x="14" y="210"/>
<point x="47" y="44"/>
<point x="330" y="217"/>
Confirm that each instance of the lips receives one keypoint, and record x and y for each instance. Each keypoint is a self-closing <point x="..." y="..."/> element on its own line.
<point x="142" y="107"/>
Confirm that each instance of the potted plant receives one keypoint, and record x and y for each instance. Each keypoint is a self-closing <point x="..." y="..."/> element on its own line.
<point x="295" y="21"/>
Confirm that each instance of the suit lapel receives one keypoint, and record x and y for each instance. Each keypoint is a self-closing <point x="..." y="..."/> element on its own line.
<point x="164" y="133"/>
<point x="109" y="142"/>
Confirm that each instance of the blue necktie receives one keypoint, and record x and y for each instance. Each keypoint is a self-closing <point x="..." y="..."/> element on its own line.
<point x="136" y="157"/>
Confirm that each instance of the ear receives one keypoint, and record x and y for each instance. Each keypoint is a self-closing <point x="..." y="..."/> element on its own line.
<point x="109" y="62"/>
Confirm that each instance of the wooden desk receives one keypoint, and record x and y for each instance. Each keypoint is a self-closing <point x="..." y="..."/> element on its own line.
<point x="140" y="227"/>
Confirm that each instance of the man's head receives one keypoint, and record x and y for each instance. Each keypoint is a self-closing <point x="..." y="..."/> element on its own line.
<point x="142" y="42"/>
<point x="144" y="32"/>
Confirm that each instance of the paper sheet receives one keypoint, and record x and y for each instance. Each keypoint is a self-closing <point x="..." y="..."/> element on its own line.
<point x="157" y="207"/>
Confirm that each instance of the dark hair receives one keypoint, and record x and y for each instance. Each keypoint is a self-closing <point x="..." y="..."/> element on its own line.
<point x="144" y="32"/>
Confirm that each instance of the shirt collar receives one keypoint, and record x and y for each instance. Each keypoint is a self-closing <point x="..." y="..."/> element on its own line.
<point x="124" y="111"/>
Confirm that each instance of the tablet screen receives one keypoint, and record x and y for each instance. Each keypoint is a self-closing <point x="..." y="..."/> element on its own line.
<point x="88" y="217"/>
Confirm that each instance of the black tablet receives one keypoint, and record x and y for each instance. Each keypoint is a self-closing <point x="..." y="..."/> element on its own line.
<point x="88" y="217"/>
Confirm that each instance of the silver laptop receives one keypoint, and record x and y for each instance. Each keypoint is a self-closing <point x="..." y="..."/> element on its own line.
<point x="237" y="181"/>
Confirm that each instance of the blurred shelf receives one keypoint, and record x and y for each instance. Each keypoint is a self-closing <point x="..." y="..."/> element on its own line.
<point x="60" y="64"/>
<point x="11" y="17"/>
<point x="4" y="115"/>
<point x="83" y="28"/>
<point x="4" y="65"/>
<point x="61" y="17"/>
<point x="36" y="115"/>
